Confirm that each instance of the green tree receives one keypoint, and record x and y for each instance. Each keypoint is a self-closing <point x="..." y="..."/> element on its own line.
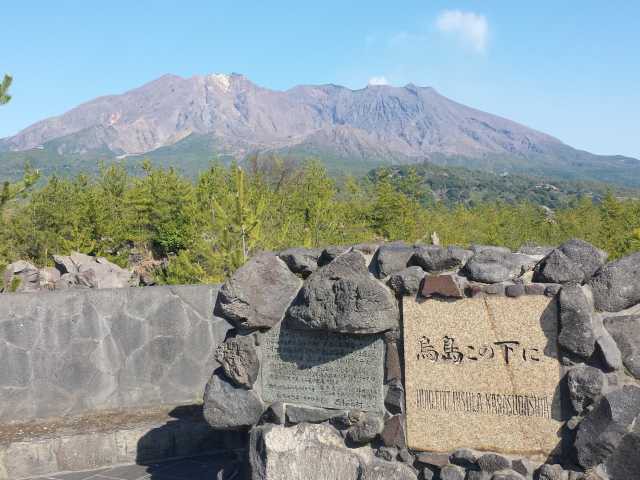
<point x="4" y="89"/>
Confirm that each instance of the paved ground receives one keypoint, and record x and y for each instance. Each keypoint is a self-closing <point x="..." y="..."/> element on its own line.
<point x="210" y="467"/>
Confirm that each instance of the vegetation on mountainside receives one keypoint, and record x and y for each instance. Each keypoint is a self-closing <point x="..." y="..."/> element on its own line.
<point x="208" y="227"/>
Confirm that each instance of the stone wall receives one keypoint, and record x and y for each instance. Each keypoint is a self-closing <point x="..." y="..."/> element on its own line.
<point x="315" y="370"/>
<point x="77" y="351"/>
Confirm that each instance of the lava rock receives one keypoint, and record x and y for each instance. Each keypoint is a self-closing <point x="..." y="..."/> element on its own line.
<point x="381" y="470"/>
<point x="624" y="462"/>
<point x="507" y="475"/>
<point x="344" y="297"/>
<point x="464" y="458"/>
<point x="432" y="459"/>
<point x="587" y="257"/>
<point x="611" y="355"/>
<point x="329" y="254"/>
<point x="21" y="276"/>
<point x="576" y="332"/>
<point x="227" y="407"/>
<point x="368" y="426"/>
<point x="258" y="293"/>
<point x="407" y="281"/>
<point x="551" y="472"/>
<point x="452" y="472"/>
<point x="394" y="399"/>
<point x="302" y="261"/>
<point x="392" y="258"/>
<point x="302" y="413"/>
<point x="239" y="360"/>
<point x="495" y="264"/>
<point x="585" y="386"/>
<point x="492" y="462"/>
<point x="515" y="290"/>
<point x="275" y="414"/>
<point x="606" y="425"/>
<point x="434" y="258"/>
<point x="625" y="331"/>
<point x="535" y="288"/>
<point x="557" y="268"/>
<point x="387" y="453"/>
<point x="616" y="286"/>
<point x="523" y="466"/>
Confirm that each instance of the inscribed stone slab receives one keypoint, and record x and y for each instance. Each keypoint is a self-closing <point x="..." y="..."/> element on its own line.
<point x="322" y="369"/>
<point x="482" y="373"/>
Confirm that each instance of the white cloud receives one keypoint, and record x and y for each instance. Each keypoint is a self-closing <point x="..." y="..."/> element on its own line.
<point x="379" y="80"/>
<point x="470" y="27"/>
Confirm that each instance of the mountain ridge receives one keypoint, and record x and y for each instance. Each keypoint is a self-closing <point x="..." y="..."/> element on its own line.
<point x="373" y="125"/>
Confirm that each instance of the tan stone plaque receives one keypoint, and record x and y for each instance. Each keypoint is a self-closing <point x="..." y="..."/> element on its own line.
<point x="482" y="373"/>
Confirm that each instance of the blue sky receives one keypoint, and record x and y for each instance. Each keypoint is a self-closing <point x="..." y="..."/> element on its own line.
<point x="569" y="68"/>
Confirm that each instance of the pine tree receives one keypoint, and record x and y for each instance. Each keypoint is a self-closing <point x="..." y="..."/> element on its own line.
<point x="4" y="89"/>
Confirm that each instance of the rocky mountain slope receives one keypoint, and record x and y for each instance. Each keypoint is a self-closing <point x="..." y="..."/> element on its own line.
<point x="185" y="121"/>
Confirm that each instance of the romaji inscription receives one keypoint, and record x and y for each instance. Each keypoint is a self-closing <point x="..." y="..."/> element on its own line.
<point x="322" y="369"/>
<point x="482" y="373"/>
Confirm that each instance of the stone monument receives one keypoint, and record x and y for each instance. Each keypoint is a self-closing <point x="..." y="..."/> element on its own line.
<point x="482" y="373"/>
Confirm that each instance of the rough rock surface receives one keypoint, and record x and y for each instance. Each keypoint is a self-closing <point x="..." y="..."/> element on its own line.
<point x="611" y="355"/>
<point x="624" y="462"/>
<point x="434" y="258"/>
<point x="302" y="261"/>
<point x="452" y="472"/>
<point x="258" y="293"/>
<point x="366" y="428"/>
<point x="381" y="470"/>
<point x="392" y="258"/>
<point x="587" y="257"/>
<point x="344" y="297"/>
<point x="625" y="331"/>
<point x="329" y="254"/>
<point x="446" y="285"/>
<point x="304" y="451"/>
<point x="492" y="462"/>
<point x="616" y="286"/>
<point x="407" y="281"/>
<point x="21" y="276"/>
<point x="496" y="264"/>
<point x="303" y="413"/>
<point x="585" y="386"/>
<point x="576" y="322"/>
<point x="239" y="360"/>
<point x="557" y="268"/>
<point x="227" y="407"/>
<point x="601" y="432"/>
<point x="393" y="432"/>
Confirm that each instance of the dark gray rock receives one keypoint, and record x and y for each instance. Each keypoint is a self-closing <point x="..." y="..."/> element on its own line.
<point x="387" y="453"/>
<point x="605" y="426"/>
<point x="428" y="474"/>
<point x="302" y="413"/>
<point x="523" y="466"/>
<point x="227" y="407"/>
<point x="507" y="475"/>
<point x="616" y="286"/>
<point x="452" y="472"/>
<point x="258" y="293"/>
<point x="392" y="434"/>
<point x="551" y="472"/>
<point x="381" y="470"/>
<point x="464" y="458"/>
<point x="492" y="462"/>
<point x="344" y="297"/>
<point x="301" y="261"/>
<point x="494" y="265"/>
<point x="329" y="254"/>
<point x="478" y="475"/>
<point x="394" y="399"/>
<point x="407" y="281"/>
<point x="368" y="427"/>
<point x="406" y="456"/>
<point x="585" y="386"/>
<point x="552" y="290"/>
<point x="611" y="355"/>
<point x="239" y="360"/>
<point x="576" y="320"/>
<point x="625" y="331"/>
<point x="515" y="290"/>
<point x="275" y="414"/>
<point x="475" y="248"/>
<point x="557" y="268"/>
<point x="392" y="367"/>
<point x="535" y="250"/>
<point x="588" y="258"/>
<point x="434" y="258"/>
<point x="624" y="462"/>
<point x="392" y="258"/>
